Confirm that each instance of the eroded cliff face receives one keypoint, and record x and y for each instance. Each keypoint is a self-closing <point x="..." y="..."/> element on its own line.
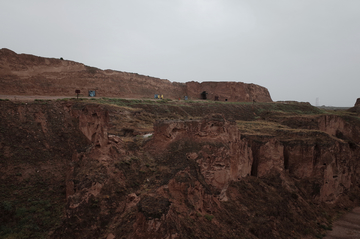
<point x="357" y="103"/>
<point x="191" y="169"/>
<point x="356" y="107"/>
<point x="200" y="178"/>
<point x="310" y="155"/>
<point x="23" y="74"/>
<point x="37" y="144"/>
<point x="341" y="127"/>
<point x="93" y="122"/>
<point x="213" y="144"/>
<point x="325" y="151"/>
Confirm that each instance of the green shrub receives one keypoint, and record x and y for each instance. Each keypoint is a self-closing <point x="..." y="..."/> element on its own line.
<point x="209" y="217"/>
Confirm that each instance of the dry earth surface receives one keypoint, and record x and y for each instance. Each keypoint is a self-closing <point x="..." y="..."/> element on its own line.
<point x="117" y="168"/>
<point x="32" y="97"/>
<point x="23" y="74"/>
<point x="135" y="167"/>
<point x="347" y="227"/>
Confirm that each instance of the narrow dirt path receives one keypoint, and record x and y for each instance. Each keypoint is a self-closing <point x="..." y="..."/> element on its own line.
<point x="33" y="97"/>
<point x="348" y="226"/>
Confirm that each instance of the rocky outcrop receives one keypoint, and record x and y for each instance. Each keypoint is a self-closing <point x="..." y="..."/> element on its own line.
<point x="224" y="155"/>
<point x="357" y="103"/>
<point x="201" y="178"/>
<point x="22" y="74"/>
<point x="213" y="144"/>
<point x="356" y="107"/>
<point x="341" y="127"/>
<point x="93" y="122"/>
<point x="328" y="166"/>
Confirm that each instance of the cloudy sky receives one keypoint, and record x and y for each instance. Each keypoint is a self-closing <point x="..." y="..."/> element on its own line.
<point x="299" y="49"/>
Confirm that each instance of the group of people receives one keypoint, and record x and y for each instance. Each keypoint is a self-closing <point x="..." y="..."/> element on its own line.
<point x="156" y="96"/>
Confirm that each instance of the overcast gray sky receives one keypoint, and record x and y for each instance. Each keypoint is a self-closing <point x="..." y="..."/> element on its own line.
<point x="298" y="49"/>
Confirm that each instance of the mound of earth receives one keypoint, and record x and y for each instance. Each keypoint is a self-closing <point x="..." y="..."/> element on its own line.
<point x="23" y="74"/>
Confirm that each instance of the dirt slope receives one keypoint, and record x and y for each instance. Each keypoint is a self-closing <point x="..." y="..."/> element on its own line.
<point x="22" y="74"/>
<point x="347" y="226"/>
<point x="37" y="142"/>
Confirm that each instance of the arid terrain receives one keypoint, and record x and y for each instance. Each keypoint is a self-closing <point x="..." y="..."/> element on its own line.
<point x="23" y="74"/>
<point x="114" y="168"/>
<point x="109" y="167"/>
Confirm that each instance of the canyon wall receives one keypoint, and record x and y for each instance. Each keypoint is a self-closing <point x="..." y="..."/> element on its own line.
<point x="224" y="154"/>
<point x="75" y="173"/>
<point x="23" y="74"/>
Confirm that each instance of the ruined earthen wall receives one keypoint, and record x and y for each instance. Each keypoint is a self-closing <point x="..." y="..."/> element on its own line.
<point x="357" y="103"/>
<point x="230" y="91"/>
<point x="22" y="74"/>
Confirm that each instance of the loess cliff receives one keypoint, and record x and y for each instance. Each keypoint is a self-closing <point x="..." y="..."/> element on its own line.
<point x="356" y="107"/>
<point x="23" y="74"/>
<point x="111" y="168"/>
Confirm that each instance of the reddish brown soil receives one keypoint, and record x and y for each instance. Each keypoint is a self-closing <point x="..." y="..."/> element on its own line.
<point x="32" y="97"/>
<point x="255" y="171"/>
<point x="22" y="74"/>
<point x="117" y="168"/>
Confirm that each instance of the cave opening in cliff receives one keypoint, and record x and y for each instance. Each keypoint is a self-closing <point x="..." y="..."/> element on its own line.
<point x="203" y="95"/>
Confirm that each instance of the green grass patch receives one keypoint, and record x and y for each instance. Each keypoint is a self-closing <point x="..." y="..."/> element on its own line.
<point x="209" y="217"/>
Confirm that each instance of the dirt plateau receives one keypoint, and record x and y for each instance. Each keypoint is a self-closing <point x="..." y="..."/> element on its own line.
<point x="81" y="169"/>
<point x="24" y="74"/>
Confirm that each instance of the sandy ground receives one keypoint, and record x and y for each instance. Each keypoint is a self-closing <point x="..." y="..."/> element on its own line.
<point x="348" y="226"/>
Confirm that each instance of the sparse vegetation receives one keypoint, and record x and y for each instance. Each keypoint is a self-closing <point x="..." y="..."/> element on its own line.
<point x="105" y="183"/>
<point x="208" y="217"/>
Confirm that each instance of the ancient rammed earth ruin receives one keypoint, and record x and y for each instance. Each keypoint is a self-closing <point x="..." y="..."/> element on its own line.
<point x="22" y="74"/>
<point x="138" y="168"/>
